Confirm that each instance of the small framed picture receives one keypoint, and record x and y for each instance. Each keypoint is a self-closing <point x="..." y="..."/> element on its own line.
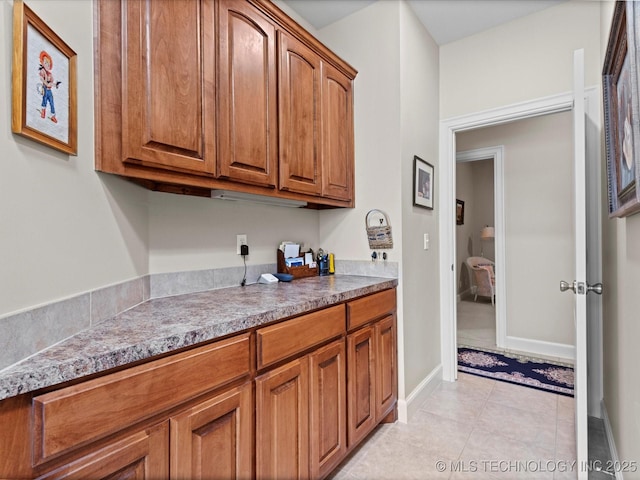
<point x="422" y="183"/>
<point x="459" y="212"/>
<point x="44" y="83"/>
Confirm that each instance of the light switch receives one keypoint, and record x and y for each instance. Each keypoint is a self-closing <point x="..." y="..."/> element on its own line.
<point x="426" y="241"/>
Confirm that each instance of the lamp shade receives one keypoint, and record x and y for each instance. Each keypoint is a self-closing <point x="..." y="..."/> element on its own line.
<point x="487" y="232"/>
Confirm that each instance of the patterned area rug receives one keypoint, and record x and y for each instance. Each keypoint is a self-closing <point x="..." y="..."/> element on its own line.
<point x="517" y="369"/>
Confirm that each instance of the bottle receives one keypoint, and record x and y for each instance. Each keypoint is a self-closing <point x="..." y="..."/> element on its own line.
<point x="332" y="266"/>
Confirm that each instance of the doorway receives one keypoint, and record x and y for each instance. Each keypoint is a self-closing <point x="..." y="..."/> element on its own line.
<point x="537" y="237"/>
<point x="451" y="133"/>
<point x="475" y="254"/>
<point x="586" y="161"/>
<point x="479" y="234"/>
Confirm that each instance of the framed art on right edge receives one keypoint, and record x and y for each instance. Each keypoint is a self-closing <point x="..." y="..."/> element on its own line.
<point x="621" y="112"/>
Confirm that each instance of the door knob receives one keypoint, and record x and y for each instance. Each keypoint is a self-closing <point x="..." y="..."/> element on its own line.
<point x="564" y="286"/>
<point x="576" y="287"/>
<point x="595" y="288"/>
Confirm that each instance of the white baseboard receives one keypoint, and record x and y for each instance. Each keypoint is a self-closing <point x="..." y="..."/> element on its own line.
<point x="407" y="407"/>
<point x="539" y="347"/>
<point x="612" y="444"/>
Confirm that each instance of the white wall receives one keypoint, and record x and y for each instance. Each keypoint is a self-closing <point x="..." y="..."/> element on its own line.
<point x="192" y="233"/>
<point x="524" y="59"/>
<point x="64" y="229"/>
<point x="538" y="222"/>
<point x="419" y="93"/>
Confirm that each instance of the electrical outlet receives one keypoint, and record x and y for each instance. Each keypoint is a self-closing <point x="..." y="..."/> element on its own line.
<point x="240" y="240"/>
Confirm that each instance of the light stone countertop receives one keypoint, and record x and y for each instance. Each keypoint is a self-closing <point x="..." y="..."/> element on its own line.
<point x="167" y="324"/>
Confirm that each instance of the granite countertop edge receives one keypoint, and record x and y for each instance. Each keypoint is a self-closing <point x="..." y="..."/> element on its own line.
<point x="164" y="325"/>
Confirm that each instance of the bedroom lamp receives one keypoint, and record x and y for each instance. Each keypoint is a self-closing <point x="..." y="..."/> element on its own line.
<point x="487" y="233"/>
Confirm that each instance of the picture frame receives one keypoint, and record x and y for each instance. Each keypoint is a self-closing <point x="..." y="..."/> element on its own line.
<point x="459" y="212"/>
<point x="44" y="70"/>
<point x="622" y="112"/>
<point x="423" y="183"/>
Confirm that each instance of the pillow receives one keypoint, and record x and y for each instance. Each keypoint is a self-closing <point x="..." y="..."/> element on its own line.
<point x="489" y="268"/>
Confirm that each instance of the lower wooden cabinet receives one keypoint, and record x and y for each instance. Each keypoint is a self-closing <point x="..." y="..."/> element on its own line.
<point x="372" y="373"/>
<point x="286" y="401"/>
<point x="214" y="439"/>
<point x="143" y="455"/>
<point x="282" y="422"/>
<point x="362" y="384"/>
<point x="386" y="366"/>
<point x="301" y="416"/>
<point x="328" y="408"/>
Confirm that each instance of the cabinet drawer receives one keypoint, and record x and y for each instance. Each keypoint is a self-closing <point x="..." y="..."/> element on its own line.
<point x="285" y="339"/>
<point x="370" y="308"/>
<point x="88" y="411"/>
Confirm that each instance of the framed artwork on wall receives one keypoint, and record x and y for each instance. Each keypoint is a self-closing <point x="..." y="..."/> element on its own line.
<point x="422" y="183"/>
<point x="622" y="112"/>
<point x="44" y="104"/>
<point x="459" y="212"/>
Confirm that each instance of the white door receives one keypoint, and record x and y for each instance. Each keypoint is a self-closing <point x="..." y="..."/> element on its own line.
<point x="579" y="286"/>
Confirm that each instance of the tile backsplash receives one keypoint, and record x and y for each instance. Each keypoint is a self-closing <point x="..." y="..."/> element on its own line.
<point x="26" y="333"/>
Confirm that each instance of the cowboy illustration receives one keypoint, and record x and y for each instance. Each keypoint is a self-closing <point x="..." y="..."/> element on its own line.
<point x="46" y="64"/>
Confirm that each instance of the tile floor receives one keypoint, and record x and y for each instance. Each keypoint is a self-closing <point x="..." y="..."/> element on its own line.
<point x="477" y="323"/>
<point x="478" y="429"/>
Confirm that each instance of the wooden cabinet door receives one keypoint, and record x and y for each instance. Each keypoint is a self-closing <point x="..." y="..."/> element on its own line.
<point x="386" y="366"/>
<point x="214" y="439"/>
<point x="168" y="96"/>
<point x="300" y="117"/>
<point x="141" y="456"/>
<point x="282" y="422"/>
<point x="361" y="384"/>
<point x="337" y="134"/>
<point x="247" y="90"/>
<point x="328" y="403"/>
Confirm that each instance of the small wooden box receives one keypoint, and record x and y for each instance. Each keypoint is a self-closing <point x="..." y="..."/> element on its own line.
<point x="297" y="272"/>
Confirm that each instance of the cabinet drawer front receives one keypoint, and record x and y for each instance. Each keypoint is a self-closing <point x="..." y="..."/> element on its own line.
<point x="370" y="308"/>
<point x="280" y="341"/>
<point x="91" y="410"/>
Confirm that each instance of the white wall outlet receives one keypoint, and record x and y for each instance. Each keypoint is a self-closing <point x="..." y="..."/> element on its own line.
<point x="426" y="241"/>
<point x="240" y="240"/>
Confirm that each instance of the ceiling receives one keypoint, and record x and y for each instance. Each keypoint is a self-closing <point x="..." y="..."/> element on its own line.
<point x="446" y="20"/>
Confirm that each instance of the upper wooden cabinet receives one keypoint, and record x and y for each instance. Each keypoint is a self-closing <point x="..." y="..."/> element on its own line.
<point x="300" y="117"/>
<point x="247" y="95"/>
<point x="194" y="95"/>
<point x="337" y="134"/>
<point x="168" y="86"/>
<point x="316" y="124"/>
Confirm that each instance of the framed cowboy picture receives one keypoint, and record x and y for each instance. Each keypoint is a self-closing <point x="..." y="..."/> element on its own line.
<point x="44" y="106"/>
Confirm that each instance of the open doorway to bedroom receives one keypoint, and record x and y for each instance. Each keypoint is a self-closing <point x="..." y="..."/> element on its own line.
<point x="475" y="251"/>
<point x="518" y="231"/>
